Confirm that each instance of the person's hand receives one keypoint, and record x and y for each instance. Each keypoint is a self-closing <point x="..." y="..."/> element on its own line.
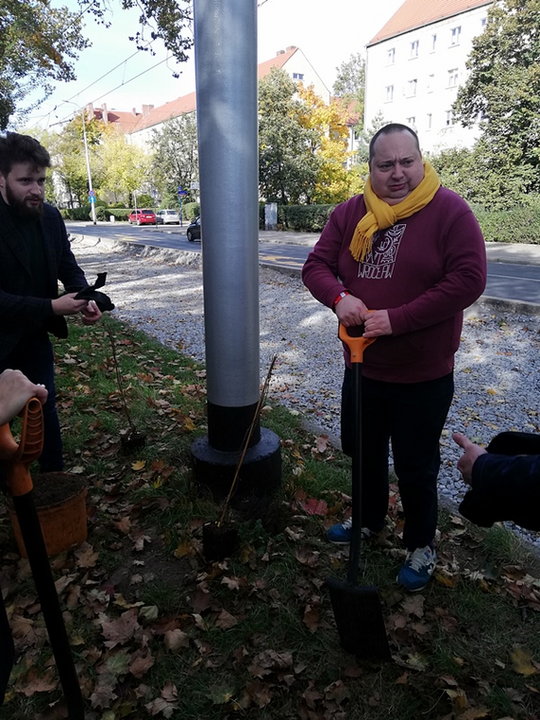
<point x="351" y="311"/>
<point x="377" y="323"/>
<point x="471" y="453"/>
<point x="68" y="305"/>
<point x="15" y="390"/>
<point x="91" y="313"/>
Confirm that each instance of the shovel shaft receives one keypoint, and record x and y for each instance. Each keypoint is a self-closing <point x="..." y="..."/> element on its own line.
<point x="17" y="459"/>
<point x="50" y="605"/>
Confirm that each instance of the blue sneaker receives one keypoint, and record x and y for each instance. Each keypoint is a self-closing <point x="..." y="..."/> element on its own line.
<point x="418" y="568"/>
<point x="340" y="534"/>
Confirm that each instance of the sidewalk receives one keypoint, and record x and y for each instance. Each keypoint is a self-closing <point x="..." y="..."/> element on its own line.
<point x="496" y="252"/>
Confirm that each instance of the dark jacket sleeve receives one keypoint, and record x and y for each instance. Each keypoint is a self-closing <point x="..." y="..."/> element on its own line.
<point x="504" y="488"/>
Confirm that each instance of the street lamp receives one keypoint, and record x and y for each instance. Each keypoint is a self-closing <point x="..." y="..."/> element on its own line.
<point x="91" y="193"/>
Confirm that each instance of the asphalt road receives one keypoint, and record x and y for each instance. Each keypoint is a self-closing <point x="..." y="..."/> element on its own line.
<point x="506" y="281"/>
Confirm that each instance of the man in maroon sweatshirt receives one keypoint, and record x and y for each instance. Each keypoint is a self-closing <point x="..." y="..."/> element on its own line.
<point x="404" y="259"/>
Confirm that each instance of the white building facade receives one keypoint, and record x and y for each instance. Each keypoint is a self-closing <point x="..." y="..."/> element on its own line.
<point x="416" y="64"/>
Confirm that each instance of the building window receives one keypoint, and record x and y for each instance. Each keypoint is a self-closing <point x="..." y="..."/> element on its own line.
<point x="455" y="34"/>
<point x="483" y="22"/>
<point x="433" y="43"/>
<point x="414" y="49"/>
<point x="391" y="56"/>
<point x="298" y="76"/>
<point x="430" y="82"/>
<point x="411" y="122"/>
<point x="429" y="119"/>
<point x="453" y="78"/>
<point x="411" y="88"/>
<point x="449" y="118"/>
<point x="389" y="93"/>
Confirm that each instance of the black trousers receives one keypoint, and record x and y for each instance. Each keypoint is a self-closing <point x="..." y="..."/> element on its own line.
<point x="411" y="417"/>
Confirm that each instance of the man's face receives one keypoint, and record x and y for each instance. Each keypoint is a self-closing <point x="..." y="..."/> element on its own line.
<point x="23" y="189"/>
<point x="396" y="167"/>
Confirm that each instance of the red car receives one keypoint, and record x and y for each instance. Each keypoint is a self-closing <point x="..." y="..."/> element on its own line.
<point x="142" y="217"/>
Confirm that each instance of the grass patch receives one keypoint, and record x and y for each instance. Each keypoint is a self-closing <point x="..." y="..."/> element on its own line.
<point x="158" y="632"/>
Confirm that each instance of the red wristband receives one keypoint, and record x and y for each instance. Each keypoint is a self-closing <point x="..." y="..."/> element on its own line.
<point x="340" y="297"/>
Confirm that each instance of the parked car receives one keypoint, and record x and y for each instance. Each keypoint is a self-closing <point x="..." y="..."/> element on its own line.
<point x="193" y="231"/>
<point x="168" y="217"/>
<point x="142" y="217"/>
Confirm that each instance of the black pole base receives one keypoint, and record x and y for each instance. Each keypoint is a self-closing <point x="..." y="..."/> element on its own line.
<point x="259" y="477"/>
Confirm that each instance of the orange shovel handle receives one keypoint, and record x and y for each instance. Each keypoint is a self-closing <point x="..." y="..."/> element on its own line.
<point x="356" y="344"/>
<point x="17" y="458"/>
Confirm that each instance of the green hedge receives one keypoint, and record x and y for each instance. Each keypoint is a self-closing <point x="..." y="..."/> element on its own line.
<point x="299" y="218"/>
<point x="514" y="225"/>
<point x="517" y="225"/>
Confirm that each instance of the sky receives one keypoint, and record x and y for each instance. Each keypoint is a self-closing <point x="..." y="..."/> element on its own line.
<point x="111" y="71"/>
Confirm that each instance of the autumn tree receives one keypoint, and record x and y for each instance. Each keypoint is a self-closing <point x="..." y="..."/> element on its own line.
<point x="124" y="167"/>
<point x="330" y="135"/>
<point x="175" y="160"/>
<point x="69" y="157"/>
<point x="38" y="45"/>
<point x="502" y="94"/>
<point x="288" y="166"/>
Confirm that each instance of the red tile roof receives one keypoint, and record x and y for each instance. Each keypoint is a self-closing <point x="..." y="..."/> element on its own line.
<point x="263" y="69"/>
<point x="417" y="13"/>
<point x="187" y="103"/>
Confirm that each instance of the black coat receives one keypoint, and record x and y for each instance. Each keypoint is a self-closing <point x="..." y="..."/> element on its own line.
<point x="22" y="314"/>
<point x="506" y="483"/>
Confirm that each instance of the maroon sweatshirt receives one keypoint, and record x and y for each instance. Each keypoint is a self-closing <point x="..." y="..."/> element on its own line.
<point x="425" y="270"/>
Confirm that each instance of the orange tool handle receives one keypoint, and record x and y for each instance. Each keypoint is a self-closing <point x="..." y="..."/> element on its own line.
<point x="17" y="458"/>
<point x="356" y="344"/>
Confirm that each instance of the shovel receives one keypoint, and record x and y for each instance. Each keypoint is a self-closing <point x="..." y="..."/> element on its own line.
<point x="16" y="460"/>
<point x="357" y="609"/>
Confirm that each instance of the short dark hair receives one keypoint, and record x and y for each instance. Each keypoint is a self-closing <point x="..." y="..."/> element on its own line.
<point x="387" y="130"/>
<point x="16" y="148"/>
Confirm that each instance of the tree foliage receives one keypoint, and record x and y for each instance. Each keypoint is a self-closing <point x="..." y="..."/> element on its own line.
<point x="38" y="45"/>
<point x="330" y="145"/>
<point x="169" y="20"/>
<point x="175" y="160"/>
<point x="502" y="93"/>
<point x="288" y="165"/>
<point x="125" y="168"/>
<point x="350" y="86"/>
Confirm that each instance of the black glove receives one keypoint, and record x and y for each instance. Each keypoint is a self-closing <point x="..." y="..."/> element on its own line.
<point x="91" y="293"/>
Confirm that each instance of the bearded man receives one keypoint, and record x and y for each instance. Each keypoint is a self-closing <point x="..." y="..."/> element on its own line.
<point x="34" y="255"/>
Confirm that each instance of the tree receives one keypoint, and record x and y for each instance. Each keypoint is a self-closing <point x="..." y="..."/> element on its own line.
<point x="175" y="161"/>
<point x="330" y="146"/>
<point x="69" y="158"/>
<point x="502" y="93"/>
<point x="288" y="166"/>
<point x="350" y="85"/>
<point x="164" y="19"/>
<point x="124" y="167"/>
<point x="38" y="45"/>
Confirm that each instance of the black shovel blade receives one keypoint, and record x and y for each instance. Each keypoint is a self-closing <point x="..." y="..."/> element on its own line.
<point x="359" y="619"/>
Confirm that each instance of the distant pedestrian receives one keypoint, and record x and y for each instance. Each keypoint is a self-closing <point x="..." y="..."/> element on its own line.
<point x="404" y="259"/>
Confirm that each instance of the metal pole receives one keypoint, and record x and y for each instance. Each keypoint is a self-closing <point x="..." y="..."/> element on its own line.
<point x="226" y="81"/>
<point x="88" y="171"/>
<point x="87" y="158"/>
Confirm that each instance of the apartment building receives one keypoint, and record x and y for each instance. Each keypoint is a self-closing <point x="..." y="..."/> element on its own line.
<point x="415" y="65"/>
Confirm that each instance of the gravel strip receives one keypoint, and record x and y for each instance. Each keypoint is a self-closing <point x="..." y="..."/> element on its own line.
<point x="497" y="367"/>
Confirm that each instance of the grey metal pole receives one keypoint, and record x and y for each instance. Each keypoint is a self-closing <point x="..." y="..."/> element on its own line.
<point x="226" y="82"/>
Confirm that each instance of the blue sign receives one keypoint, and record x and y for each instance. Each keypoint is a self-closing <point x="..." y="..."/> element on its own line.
<point x="182" y="192"/>
<point x="92" y="198"/>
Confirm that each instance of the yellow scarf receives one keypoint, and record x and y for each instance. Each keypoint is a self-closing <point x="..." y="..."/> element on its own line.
<point x="380" y="215"/>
